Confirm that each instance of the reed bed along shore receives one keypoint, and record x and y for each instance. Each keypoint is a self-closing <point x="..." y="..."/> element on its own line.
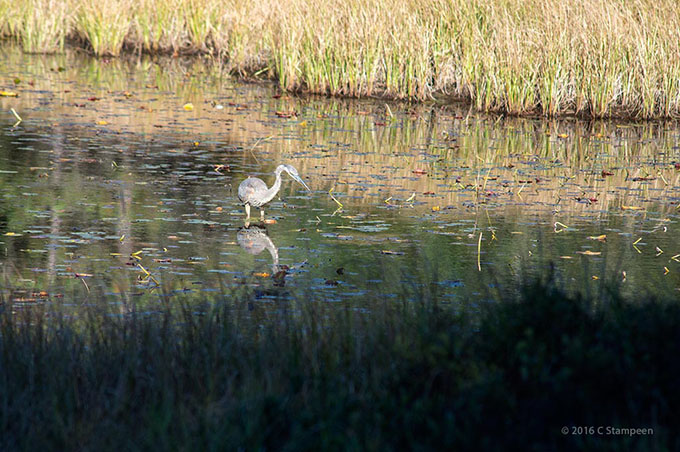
<point x="592" y="58"/>
<point x="305" y="375"/>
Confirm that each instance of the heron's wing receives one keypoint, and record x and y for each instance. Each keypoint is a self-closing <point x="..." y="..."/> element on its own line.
<point x="249" y="189"/>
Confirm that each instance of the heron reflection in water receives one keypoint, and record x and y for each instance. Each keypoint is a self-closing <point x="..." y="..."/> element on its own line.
<point x="254" y="192"/>
<point x="254" y="240"/>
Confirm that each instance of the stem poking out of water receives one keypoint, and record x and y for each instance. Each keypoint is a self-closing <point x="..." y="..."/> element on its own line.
<point x="479" y="252"/>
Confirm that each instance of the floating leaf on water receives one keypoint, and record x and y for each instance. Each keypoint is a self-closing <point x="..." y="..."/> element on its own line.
<point x="12" y="234"/>
<point x="566" y="257"/>
<point x="188" y="106"/>
<point x="102" y="123"/>
<point x="8" y="94"/>
<point x="585" y="200"/>
<point x="269" y="221"/>
<point x="261" y="274"/>
<point x="589" y="253"/>
<point x="436" y="208"/>
<point x="286" y="114"/>
<point x="631" y="208"/>
<point x="419" y="172"/>
<point x="601" y="238"/>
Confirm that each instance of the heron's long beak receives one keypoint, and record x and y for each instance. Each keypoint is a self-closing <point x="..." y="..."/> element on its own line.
<point x="299" y="179"/>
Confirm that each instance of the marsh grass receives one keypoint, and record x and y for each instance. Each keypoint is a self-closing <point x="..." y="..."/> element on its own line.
<point x="157" y="27"/>
<point x="104" y="25"/>
<point x="44" y="24"/>
<point x="591" y="59"/>
<point x="308" y="376"/>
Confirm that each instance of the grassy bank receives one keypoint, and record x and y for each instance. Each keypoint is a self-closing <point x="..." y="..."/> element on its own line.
<point x="596" y="58"/>
<point x="215" y="377"/>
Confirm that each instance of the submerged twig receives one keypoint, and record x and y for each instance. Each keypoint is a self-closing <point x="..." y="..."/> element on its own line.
<point x="16" y="115"/>
<point x="479" y="252"/>
<point x="330" y="192"/>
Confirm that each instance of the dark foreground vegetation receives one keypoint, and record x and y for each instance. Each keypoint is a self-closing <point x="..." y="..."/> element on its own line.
<point x="404" y="376"/>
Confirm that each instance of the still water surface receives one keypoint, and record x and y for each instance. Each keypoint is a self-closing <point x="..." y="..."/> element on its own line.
<point x="120" y="184"/>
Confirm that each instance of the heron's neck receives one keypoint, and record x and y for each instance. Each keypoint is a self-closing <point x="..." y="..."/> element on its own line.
<point x="274" y="252"/>
<point x="271" y="192"/>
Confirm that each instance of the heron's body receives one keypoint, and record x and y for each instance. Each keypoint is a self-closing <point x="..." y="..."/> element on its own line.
<point x="254" y="240"/>
<point x="254" y="192"/>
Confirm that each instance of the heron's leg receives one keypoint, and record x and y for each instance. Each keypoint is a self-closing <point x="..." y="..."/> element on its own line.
<point x="261" y="214"/>
<point x="247" y="211"/>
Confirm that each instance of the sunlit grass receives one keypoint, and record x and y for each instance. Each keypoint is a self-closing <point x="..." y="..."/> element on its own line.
<point x="104" y="25"/>
<point x="592" y="58"/>
<point x="157" y="27"/>
<point x="10" y="18"/>
<point x="44" y="24"/>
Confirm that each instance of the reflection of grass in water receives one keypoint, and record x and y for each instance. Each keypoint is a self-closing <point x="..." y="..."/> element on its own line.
<point x="490" y="159"/>
<point x="202" y="375"/>
<point x="593" y="58"/>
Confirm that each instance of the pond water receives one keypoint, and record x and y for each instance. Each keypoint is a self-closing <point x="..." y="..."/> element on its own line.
<point x="119" y="185"/>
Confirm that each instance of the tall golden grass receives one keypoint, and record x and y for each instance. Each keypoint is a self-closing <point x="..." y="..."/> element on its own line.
<point x="590" y="58"/>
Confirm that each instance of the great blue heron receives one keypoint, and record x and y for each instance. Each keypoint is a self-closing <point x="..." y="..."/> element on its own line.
<point x="254" y="192"/>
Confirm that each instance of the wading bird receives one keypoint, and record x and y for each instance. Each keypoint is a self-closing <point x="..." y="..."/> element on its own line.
<point x="254" y="192"/>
